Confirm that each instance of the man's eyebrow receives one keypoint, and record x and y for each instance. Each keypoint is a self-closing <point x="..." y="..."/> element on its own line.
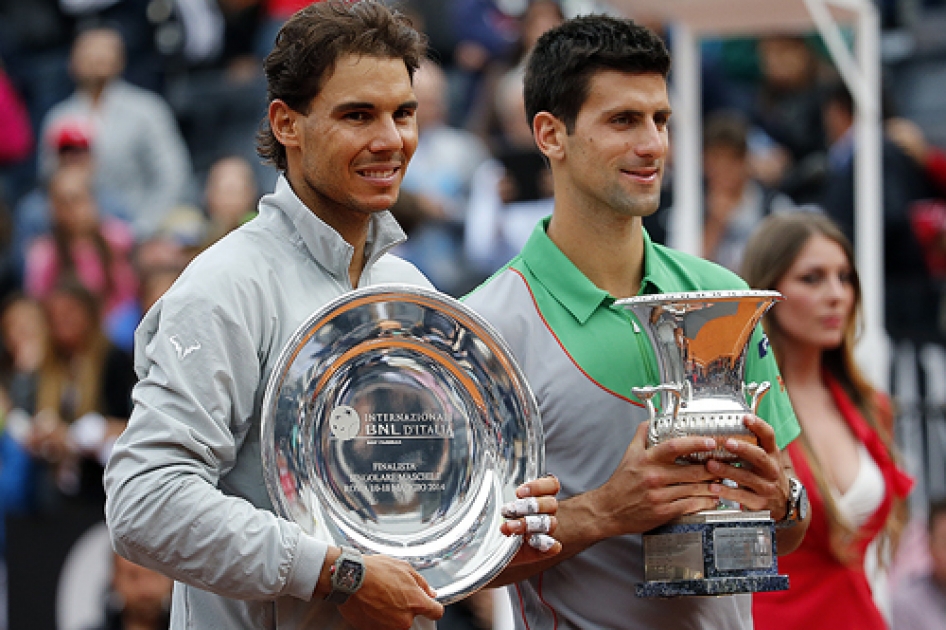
<point x="634" y="111"/>
<point x="351" y="106"/>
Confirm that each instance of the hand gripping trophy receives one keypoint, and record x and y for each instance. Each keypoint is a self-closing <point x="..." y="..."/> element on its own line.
<point x="700" y="340"/>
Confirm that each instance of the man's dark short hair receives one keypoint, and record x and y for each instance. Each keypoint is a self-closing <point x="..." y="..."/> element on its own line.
<point x="565" y="58"/>
<point x="312" y="41"/>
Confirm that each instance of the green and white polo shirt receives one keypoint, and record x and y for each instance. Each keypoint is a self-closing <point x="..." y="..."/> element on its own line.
<point x="581" y="355"/>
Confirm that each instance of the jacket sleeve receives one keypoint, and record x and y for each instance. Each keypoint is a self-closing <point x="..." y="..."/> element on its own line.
<point x="198" y="361"/>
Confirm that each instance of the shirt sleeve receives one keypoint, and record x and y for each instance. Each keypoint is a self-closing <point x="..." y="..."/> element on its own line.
<point x="775" y="406"/>
<point x="199" y="368"/>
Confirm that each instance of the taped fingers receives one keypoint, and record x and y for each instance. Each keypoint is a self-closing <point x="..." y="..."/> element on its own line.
<point x="538" y="524"/>
<point x="521" y="507"/>
<point x="541" y="542"/>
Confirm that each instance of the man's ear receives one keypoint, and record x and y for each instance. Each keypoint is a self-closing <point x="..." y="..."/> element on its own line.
<point x="283" y="120"/>
<point x="549" y="133"/>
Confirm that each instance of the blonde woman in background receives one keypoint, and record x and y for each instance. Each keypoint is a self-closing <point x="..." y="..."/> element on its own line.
<point x="846" y="456"/>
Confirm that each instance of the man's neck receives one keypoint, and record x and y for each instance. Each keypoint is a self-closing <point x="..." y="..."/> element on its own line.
<point x="609" y="249"/>
<point x="351" y="226"/>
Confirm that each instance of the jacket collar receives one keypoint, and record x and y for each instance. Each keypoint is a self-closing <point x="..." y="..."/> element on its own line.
<point x="324" y="244"/>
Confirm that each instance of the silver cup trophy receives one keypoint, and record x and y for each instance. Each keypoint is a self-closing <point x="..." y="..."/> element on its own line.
<point x="396" y="421"/>
<point x="700" y="340"/>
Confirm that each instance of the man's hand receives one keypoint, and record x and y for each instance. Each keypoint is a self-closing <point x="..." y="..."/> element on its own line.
<point x="532" y="515"/>
<point x="762" y="484"/>
<point x="650" y="488"/>
<point x="392" y="594"/>
<point x="762" y="480"/>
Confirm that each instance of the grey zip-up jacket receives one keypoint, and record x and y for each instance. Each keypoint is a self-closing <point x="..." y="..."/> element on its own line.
<point x="185" y="486"/>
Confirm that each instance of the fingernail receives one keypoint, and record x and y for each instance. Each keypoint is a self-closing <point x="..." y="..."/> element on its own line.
<point x="516" y="527"/>
<point x="523" y="491"/>
<point x="732" y="445"/>
<point x="710" y="443"/>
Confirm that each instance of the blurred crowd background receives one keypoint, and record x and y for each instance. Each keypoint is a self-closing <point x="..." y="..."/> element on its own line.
<point x="127" y="146"/>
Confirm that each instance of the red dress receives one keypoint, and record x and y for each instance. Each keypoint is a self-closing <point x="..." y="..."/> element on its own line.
<point x="823" y="592"/>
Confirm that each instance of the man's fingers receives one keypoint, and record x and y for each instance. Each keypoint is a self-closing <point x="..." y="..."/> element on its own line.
<point x="541" y="542"/>
<point x="764" y="431"/>
<point x="518" y="508"/>
<point x="543" y="486"/>
<point x="538" y="523"/>
<point x="755" y="460"/>
<point x="743" y="495"/>
<point x="429" y="607"/>
<point x="670" y="451"/>
<point x="533" y="524"/>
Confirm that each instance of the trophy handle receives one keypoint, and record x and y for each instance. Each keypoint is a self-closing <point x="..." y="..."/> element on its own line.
<point x="757" y="391"/>
<point x="646" y="394"/>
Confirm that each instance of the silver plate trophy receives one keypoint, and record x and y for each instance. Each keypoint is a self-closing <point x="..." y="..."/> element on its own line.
<point x="397" y="421"/>
<point x="701" y="340"/>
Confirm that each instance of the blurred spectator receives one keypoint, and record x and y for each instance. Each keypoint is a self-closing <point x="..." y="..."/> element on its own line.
<point x="927" y="216"/>
<point x="788" y="102"/>
<point x="230" y="195"/>
<point x="138" y="150"/>
<point x="846" y="455"/>
<point x="434" y="194"/>
<point x="34" y="43"/>
<point x="912" y="296"/>
<point x="484" y="33"/>
<point x="918" y="602"/>
<point x="274" y="14"/>
<point x="138" y="598"/>
<point x="24" y="337"/>
<point x="16" y="133"/>
<point x="83" y="397"/>
<point x="510" y="192"/>
<point x="734" y="201"/>
<point x="82" y="244"/>
<point x="134" y="21"/>
<point x="908" y="136"/>
<point x="71" y="144"/>
<point x="22" y="342"/>
<point x="217" y="89"/>
<point x="485" y="119"/>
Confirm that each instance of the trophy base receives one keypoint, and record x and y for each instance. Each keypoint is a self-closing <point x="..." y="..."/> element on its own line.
<point x="718" y="552"/>
<point x="714" y="586"/>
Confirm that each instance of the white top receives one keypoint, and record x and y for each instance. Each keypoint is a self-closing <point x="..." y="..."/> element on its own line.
<point x="866" y="493"/>
<point x="857" y="505"/>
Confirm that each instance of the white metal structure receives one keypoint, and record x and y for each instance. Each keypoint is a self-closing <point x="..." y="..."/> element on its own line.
<point x="860" y="69"/>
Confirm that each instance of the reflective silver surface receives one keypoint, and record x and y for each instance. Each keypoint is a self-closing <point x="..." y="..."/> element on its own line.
<point x="396" y="421"/>
<point x="700" y="339"/>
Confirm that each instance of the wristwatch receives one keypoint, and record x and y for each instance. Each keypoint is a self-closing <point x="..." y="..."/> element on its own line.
<point x="797" y="509"/>
<point x="348" y="572"/>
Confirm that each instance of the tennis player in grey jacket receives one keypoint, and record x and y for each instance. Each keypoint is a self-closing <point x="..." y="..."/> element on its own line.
<point x="185" y="485"/>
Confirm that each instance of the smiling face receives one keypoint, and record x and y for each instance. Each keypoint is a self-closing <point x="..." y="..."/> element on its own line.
<point x="348" y="153"/>
<point x="819" y="296"/>
<point x="614" y="158"/>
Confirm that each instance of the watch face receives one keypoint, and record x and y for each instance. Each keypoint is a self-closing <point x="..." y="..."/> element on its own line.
<point x="348" y="575"/>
